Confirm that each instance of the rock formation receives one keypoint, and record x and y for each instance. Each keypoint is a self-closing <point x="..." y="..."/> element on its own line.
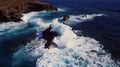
<point x="65" y="18"/>
<point x="12" y="10"/>
<point x="49" y="36"/>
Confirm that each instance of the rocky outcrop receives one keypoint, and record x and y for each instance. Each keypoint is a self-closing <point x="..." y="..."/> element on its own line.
<point x="12" y="10"/>
<point x="65" y="18"/>
<point x="49" y="36"/>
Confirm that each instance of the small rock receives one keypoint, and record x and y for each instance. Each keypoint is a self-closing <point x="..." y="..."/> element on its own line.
<point x="65" y="18"/>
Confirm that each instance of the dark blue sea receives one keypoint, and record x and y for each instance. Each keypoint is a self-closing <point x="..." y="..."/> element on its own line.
<point x="104" y="29"/>
<point x="90" y="38"/>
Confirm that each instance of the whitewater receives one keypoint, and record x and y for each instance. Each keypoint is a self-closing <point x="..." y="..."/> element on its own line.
<point x="72" y="51"/>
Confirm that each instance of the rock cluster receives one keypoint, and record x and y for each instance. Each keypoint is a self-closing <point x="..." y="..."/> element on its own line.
<point x="12" y="10"/>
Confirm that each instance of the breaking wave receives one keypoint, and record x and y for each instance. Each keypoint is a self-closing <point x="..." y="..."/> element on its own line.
<point x="74" y="19"/>
<point x="62" y="9"/>
<point x="72" y="50"/>
<point x="85" y="17"/>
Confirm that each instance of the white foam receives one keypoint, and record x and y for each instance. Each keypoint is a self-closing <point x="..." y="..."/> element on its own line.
<point x="62" y="9"/>
<point x="64" y="40"/>
<point x="29" y="52"/>
<point x="21" y="24"/>
<point x="10" y="26"/>
<point x="77" y="51"/>
<point x="90" y="17"/>
<point x="27" y="16"/>
<point x="73" y="51"/>
<point x="82" y="18"/>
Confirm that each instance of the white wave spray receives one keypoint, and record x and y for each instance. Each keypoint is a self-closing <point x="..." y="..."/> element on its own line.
<point x="72" y="51"/>
<point x="74" y="19"/>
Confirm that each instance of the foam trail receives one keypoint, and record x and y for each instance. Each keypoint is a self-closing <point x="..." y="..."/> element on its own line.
<point x="73" y="51"/>
<point x="82" y="18"/>
<point x="30" y="16"/>
<point x="29" y="52"/>
<point x="64" y="40"/>
<point x="62" y="9"/>
<point x="10" y="27"/>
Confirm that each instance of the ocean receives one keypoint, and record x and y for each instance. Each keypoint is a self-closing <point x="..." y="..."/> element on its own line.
<point x="89" y="38"/>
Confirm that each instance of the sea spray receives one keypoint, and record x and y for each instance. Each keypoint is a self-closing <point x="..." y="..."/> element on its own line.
<point x="72" y="51"/>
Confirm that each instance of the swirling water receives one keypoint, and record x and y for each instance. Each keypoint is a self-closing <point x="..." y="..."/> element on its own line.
<point x="77" y="43"/>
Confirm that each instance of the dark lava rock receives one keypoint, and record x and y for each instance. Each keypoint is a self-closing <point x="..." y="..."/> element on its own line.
<point x="49" y="36"/>
<point x="12" y="10"/>
<point x="66" y="17"/>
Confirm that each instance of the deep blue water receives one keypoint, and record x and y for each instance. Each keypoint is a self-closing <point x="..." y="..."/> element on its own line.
<point x="104" y="29"/>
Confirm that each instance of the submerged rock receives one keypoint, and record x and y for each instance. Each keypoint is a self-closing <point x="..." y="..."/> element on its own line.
<point x="12" y="10"/>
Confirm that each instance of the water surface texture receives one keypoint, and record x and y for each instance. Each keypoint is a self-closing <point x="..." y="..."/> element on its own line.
<point x="90" y="41"/>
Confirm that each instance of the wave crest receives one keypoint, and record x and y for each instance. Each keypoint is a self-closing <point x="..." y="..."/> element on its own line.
<point x="73" y="51"/>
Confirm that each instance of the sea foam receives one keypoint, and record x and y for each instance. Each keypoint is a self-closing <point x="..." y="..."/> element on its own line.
<point x="72" y="51"/>
<point x="74" y="19"/>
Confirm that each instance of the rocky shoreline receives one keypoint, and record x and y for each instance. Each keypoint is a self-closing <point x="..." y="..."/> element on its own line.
<point x="12" y="10"/>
